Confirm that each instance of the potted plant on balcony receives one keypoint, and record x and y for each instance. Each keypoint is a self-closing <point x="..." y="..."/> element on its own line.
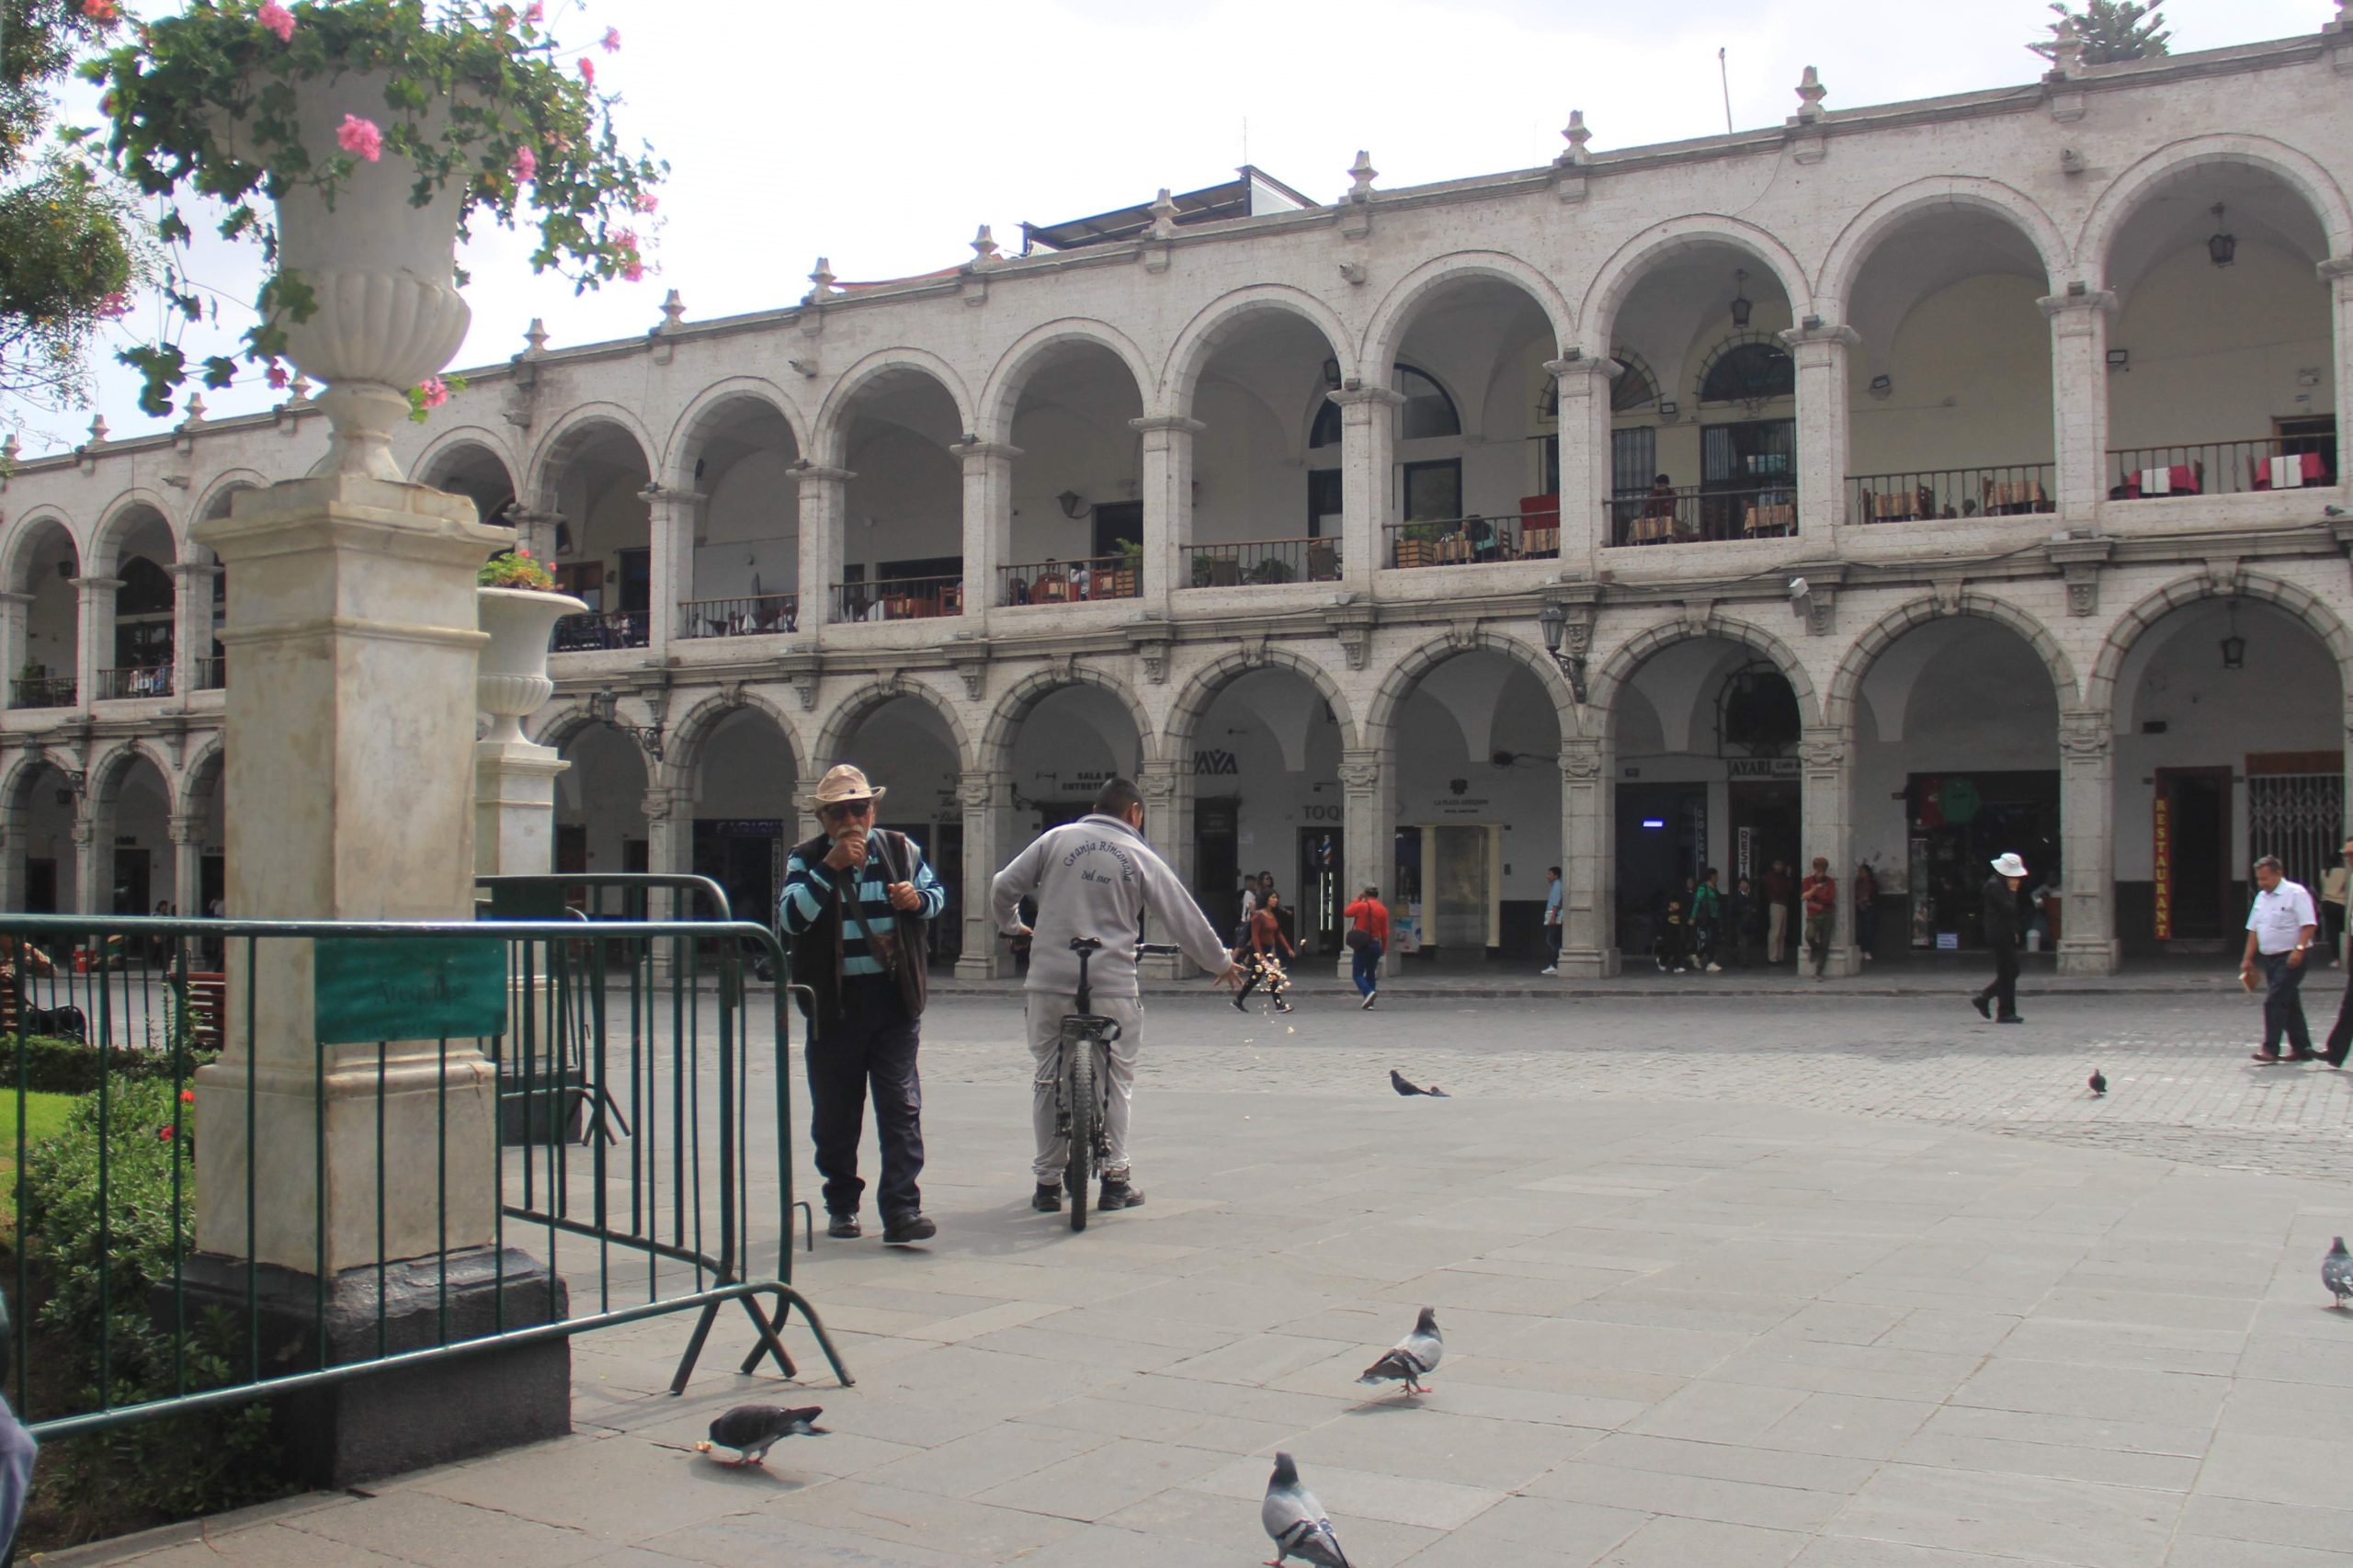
<point x="1125" y="578"/>
<point x="519" y="608"/>
<point x="1417" y="544"/>
<point x="379" y="130"/>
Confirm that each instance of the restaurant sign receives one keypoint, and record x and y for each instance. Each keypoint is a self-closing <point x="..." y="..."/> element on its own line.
<point x="2162" y="817"/>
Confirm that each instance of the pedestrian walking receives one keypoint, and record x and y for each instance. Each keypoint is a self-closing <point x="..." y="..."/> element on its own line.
<point x="1819" y="893"/>
<point x="2340" y="1033"/>
<point x="1251" y="888"/>
<point x="1999" y="1000"/>
<point x="2278" y="935"/>
<point x="1707" y="923"/>
<point x="1258" y="960"/>
<point x="1552" y="920"/>
<point x="1368" y="939"/>
<point x="2332" y="911"/>
<point x="1777" y="912"/>
<point x="1866" y="894"/>
<point x="855" y="902"/>
<point x="1670" y="946"/>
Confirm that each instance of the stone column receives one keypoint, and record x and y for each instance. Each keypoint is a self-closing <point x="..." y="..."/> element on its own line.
<point x="1588" y="857"/>
<point x="669" y="811"/>
<point x="2079" y="397"/>
<point x="515" y="807"/>
<point x="93" y="862"/>
<point x="1168" y="486"/>
<point x="191" y="622"/>
<point x="1820" y="356"/>
<point x="2338" y="272"/>
<point x="188" y="862"/>
<point x="2087" y="942"/>
<point x="1167" y="826"/>
<point x="1368" y="462"/>
<point x="1586" y="476"/>
<point x="94" y="650"/>
<point x="1368" y="830"/>
<point x="16" y="616"/>
<point x="987" y="802"/>
<point x="988" y="521"/>
<point x="672" y="520"/>
<point x="1828" y="755"/>
<point x="12" y="858"/>
<point x="825" y="494"/>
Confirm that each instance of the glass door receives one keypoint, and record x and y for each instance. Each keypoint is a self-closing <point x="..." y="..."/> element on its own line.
<point x="1465" y="893"/>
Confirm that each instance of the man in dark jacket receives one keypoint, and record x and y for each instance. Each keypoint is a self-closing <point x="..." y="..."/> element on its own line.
<point x="845" y="891"/>
<point x="1999" y="1000"/>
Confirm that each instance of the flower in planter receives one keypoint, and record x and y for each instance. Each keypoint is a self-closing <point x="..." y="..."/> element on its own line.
<point x="515" y="568"/>
<point x="277" y="19"/>
<point x="360" y="137"/>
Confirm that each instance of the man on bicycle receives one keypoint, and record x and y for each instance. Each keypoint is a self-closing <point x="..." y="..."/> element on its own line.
<point x="1096" y="877"/>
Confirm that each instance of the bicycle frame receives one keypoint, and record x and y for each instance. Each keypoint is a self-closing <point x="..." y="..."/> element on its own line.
<point x="1080" y="1121"/>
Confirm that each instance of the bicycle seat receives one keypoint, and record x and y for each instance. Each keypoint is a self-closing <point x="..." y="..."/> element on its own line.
<point x="1085" y="944"/>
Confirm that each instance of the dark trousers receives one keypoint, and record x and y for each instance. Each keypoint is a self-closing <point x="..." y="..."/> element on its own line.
<point x="2340" y="1033"/>
<point x="1254" y="970"/>
<point x="2284" y="1005"/>
<point x="1364" y="967"/>
<point x="2004" y="989"/>
<point x="871" y="1047"/>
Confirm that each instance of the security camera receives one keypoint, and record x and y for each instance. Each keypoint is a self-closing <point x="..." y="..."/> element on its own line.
<point x="1797" y="587"/>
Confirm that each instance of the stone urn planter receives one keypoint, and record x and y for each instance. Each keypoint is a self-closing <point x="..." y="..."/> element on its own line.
<point x="513" y="684"/>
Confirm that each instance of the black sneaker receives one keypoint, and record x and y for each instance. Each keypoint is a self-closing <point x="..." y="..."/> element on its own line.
<point x="1118" y="1195"/>
<point x="906" y="1230"/>
<point x="1047" y="1199"/>
<point x="1238" y="1005"/>
<point x="2013" y="1019"/>
<point x="843" y="1227"/>
<point x="1984" y="1009"/>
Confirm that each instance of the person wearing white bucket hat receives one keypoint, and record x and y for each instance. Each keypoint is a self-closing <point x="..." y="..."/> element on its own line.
<point x="1999" y="1000"/>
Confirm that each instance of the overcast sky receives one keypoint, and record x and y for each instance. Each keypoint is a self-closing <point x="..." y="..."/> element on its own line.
<point x="880" y="135"/>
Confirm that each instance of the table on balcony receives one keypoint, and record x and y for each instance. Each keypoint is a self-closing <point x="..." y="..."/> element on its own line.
<point x="2291" y="470"/>
<point x="1771" y="520"/>
<point x="1651" y="527"/>
<point x="2012" y="496"/>
<point x="2175" y="479"/>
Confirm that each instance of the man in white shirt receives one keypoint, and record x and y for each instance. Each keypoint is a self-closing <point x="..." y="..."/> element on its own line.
<point x="2279" y="934"/>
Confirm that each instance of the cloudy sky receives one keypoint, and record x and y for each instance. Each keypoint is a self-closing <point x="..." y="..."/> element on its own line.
<point x="882" y="135"/>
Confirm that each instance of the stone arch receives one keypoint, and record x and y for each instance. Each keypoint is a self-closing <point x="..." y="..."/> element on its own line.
<point x="111" y="767"/>
<point x="692" y="733"/>
<point x="540" y="468"/>
<point x="1406" y="671"/>
<point x="200" y="779"/>
<point x="1386" y="334"/>
<point x="214" y="503"/>
<point x="847" y="712"/>
<point x="2122" y="198"/>
<point x="1627" y="656"/>
<point x="1851" y="251"/>
<point x="688" y="429"/>
<point x="1215" y="322"/>
<point x="16" y="792"/>
<point x="442" y="445"/>
<point x="1192" y="704"/>
<point x="1004" y="720"/>
<point x="1846" y="681"/>
<point x="25" y="536"/>
<point x="1624" y="269"/>
<point x="827" y="437"/>
<point x="1001" y="394"/>
<point x="556" y="725"/>
<point x="2100" y="687"/>
<point x="121" y="515"/>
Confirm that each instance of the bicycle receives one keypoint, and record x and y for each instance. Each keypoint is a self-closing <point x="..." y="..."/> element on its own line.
<point x="1081" y="1081"/>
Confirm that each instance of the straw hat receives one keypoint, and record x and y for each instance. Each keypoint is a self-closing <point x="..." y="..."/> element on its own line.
<point x="841" y="785"/>
<point x="2009" y="865"/>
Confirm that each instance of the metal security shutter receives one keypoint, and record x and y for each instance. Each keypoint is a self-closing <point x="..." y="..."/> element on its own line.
<point x="2298" y="817"/>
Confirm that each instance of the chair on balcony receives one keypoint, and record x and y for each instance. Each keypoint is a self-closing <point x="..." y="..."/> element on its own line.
<point x="1323" y="563"/>
<point x="2290" y="471"/>
<point x="1051" y="588"/>
<point x="1224" y="572"/>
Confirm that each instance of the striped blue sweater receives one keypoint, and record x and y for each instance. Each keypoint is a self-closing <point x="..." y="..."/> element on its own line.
<point x="811" y="887"/>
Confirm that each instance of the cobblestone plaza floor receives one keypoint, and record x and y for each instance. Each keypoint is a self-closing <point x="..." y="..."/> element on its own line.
<point x="1845" y="1281"/>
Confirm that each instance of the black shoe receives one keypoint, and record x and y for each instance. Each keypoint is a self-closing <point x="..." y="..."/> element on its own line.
<point x="1118" y="1195"/>
<point x="906" y="1230"/>
<point x="1047" y="1199"/>
<point x="1282" y="1006"/>
<point x="1238" y="1007"/>
<point x="2012" y="1018"/>
<point x="843" y="1227"/>
<point x="1984" y="1009"/>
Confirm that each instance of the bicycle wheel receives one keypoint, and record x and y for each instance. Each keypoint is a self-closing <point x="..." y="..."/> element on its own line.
<point x="1083" y="1112"/>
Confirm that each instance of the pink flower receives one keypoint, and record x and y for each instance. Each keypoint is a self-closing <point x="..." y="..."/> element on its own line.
<point x="611" y="41"/>
<point x="360" y="137"/>
<point x="523" y="552"/>
<point x="100" y="10"/>
<point x="526" y="164"/>
<point x="533" y="12"/>
<point x="436" y="392"/>
<point x="635" y="270"/>
<point x="645" y="203"/>
<point x="115" y="306"/>
<point x="587" y="70"/>
<point x="278" y="375"/>
<point x="624" y="238"/>
<point x="277" y="19"/>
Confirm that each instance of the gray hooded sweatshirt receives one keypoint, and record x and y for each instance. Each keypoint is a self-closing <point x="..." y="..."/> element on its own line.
<point x="1096" y="877"/>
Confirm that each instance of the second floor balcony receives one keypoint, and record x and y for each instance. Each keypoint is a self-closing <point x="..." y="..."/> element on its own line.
<point x="599" y="629"/>
<point x="38" y="688"/>
<point x="1533" y="535"/>
<point x="1244" y="561"/>
<point x="1997" y="490"/>
<point x="762" y="614"/>
<point x="134" y="681"/>
<point x="898" y="599"/>
<point x="1071" y="582"/>
<point x="2222" y="468"/>
<point x="1704" y="514"/>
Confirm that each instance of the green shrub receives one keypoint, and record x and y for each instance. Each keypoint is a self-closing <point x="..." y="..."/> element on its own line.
<point x="73" y="1067"/>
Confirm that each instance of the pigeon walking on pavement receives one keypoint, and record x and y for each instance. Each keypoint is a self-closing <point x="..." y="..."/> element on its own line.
<point x="751" y="1429"/>
<point x="2336" y="1273"/>
<point x="1413" y="1358"/>
<point x="1295" y="1521"/>
<point x="1404" y="1085"/>
<point x="2098" y="1081"/>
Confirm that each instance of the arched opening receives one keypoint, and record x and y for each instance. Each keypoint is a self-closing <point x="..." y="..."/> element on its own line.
<point x="905" y="745"/>
<point x="1078" y="524"/>
<point x="2221" y="352"/>
<point x="1956" y="762"/>
<point x="44" y="661"/>
<point x="600" y="823"/>
<point x="742" y="566"/>
<point x="205" y="892"/>
<point x="1258" y="516"/>
<point x="130" y="838"/>
<point x="209" y="669"/>
<point x="43" y="816"/>
<point x="1706" y="735"/>
<point x="1477" y="745"/>
<point x="1065" y="746"/>
<point x="1263" y="778"/>
<point x="747" y="813"/>
<point x="602" y="545"/>
<point x="1949" y="391"/>
<point x="1714" y="455"/>
<point x="2218" y="763"/>
<point x="903" y="528"/>
<point x="140" y="639"/>
<point x="473" y="470"/>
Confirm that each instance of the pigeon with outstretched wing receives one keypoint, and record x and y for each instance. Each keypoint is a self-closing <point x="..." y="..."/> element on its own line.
<point x="1413" y="1358"/>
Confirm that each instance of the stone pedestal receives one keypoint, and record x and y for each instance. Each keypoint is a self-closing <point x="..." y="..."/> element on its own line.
<point x="1588" y="857"/>
<point x="515" y="807"/>
<point x="987" y="802"/>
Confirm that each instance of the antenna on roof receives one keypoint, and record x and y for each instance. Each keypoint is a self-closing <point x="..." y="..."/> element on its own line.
<point x="1723" y="74"/>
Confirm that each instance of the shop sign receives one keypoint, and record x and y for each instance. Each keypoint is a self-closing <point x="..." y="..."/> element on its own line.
<point x="2161" y="816"/>
<point x="1216" y="764"/>
<point x="1741" y="767"/>
<point x="748" y="827"/>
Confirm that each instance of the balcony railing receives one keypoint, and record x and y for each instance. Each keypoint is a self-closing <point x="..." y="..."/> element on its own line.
<point x="210" y="675"/>
<point x="138" y="680"/>
<point x="2221" y="468"/>
<point x="41" y="691"/>
<point x="759" y="616"/>
<point x="1694" y="513"/>
<point x="601" y="629"/>
<point x="1265" y="561"/>
<point x="1071" y="582"/>
<point x="2006" y="489"/>
<point x="899" y="598"/>
<point x="1470" y="541"/>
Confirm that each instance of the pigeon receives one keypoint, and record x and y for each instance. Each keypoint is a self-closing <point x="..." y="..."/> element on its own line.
<point x="1295" y="1521"/>
<point x="2098" y="1081"/>
<point x="1404" y="1085"/>
<point x="751" y="1429"/>
<point x="2336" y="1273"/>
<point x="1414" y="1356"/>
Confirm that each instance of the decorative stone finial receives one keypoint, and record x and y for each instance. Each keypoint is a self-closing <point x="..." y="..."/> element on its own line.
<point x="2344" y="19"/>
<point x="1361" y="174"/>
<point x="98" y="430"/>
<point x="535" y="339"/>
<point x="1576" y="136"/>
<point x="195" y="409"/>
<point x="299" y="392"/>
<point x="984" y="251"/>
<point x="9" y="451"/>
<point x="1163" y="212"/>
<point x="824" y="279"/>
<point x="1811" y="92"/>
<point x="674" y="310"/>
<point x="2066" y="48"/>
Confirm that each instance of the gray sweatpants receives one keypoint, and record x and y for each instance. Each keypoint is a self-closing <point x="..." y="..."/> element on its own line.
<point x="1046" y="1014"/>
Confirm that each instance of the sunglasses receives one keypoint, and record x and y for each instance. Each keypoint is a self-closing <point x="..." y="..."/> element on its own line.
<point x="843" y="811"/>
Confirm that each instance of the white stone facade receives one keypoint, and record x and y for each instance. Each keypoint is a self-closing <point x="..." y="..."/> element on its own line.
<point x="1979" y="335"/>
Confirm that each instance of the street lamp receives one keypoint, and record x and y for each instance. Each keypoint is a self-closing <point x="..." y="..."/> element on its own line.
<point x="1554" y="621"/>
<point x="605" y="707"/>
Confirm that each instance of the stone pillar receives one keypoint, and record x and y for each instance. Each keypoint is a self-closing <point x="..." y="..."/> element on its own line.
<point x="1167" y="826"/>
<point x="2087" y="942"/>
<point x="2338" y="272"/>
<point x="1828" y="755"/>
<point x="191" y="622"/>
<point x="514" y="808"/>
<point x="988" y="521"/>
<point x="1168" y="486"/>
<point x="12" y="858"/>
<point x="95" y="649"/>
<point x="1368" y="460"/>
<point x="188" y="863"/>
<point x="672" y="521"/>
<point x="16" y="616"/>
<point x="2079" y="397"/>
<point x="93" y="862"/>
<point x="1368" y="830"/>
<point x="1585" y="475"/>
<point x="825" y="494"/>
<point x="987" y="802"/>
<point x="669" y="811"/>
<point x="1588" y="857"/>
<point x="1820" y="356"/>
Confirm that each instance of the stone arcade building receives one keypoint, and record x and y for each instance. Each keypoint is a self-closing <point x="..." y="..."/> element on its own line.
<point x="1267" y="502"/>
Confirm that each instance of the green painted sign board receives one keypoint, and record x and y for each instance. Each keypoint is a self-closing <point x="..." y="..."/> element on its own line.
<point x="427" y="988"/>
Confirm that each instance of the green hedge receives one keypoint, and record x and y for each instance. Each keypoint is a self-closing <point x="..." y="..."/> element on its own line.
<point x="71" y="1067"/>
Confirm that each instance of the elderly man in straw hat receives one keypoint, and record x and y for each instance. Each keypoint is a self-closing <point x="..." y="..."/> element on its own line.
<point x="855" y="902"/>
<point x="1999" y="1000"/>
